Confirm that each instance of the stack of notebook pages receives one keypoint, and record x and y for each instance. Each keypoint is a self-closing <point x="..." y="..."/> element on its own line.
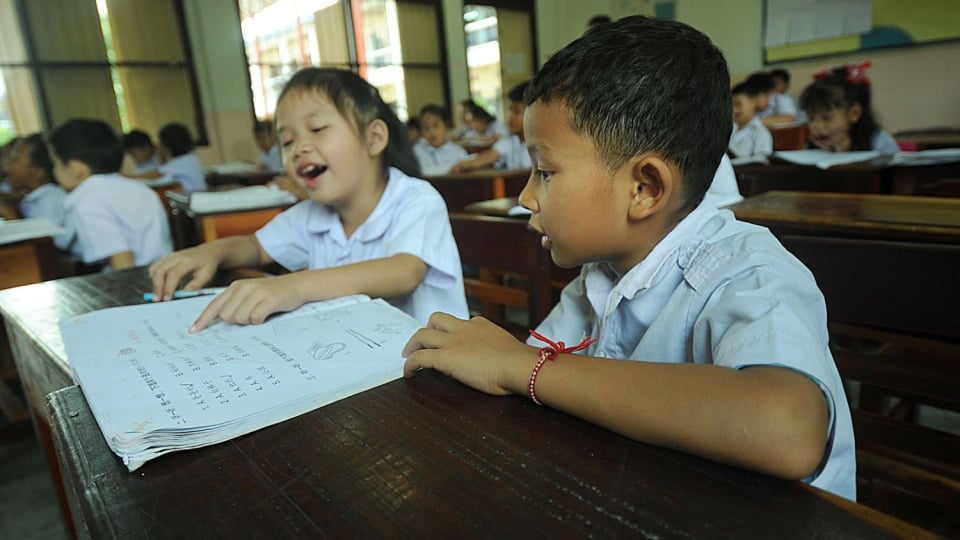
<point x="154" y="388"/>
<point x="246" y="198"/>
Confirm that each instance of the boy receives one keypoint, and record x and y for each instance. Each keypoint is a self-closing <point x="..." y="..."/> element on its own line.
<point x="30" y="171"/>
<point x="750" y="137"/>
<point x="507" y="152"/>
<point x="139" y="147"/>
<point x="118" y="223"/>
<point x="712" y="337"/>
<point x="266" y="138"/>
<point x="772" y="107"/>
<point x="437" y="153"/>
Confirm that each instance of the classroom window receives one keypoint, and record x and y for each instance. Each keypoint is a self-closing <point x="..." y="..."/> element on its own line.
<point x="121" y="61"/>
<point x="393" y="44"/>
<point x="500" y="49"/>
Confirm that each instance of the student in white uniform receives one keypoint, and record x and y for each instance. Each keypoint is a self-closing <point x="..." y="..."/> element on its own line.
<point x="750" y="137"/>
<point x="435" y="151"/>
<point x="711" y="338"/>
<point x="508" y="152"/>
<point x="266" y="138"/>
<point x="369" y="226"/>
<point x="141" y="149"/>
<point x="118" y="223"/>
<point x="179" y="159"/>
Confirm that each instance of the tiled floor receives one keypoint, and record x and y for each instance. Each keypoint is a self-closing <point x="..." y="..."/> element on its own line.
<point x="28" y="505"/>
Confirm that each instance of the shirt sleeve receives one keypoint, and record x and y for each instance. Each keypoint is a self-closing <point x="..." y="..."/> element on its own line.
<point x="884" y="143"/>
<point x="284" y="237"/>
<point x="422" y="228"/>
<point x="98" y="234"/>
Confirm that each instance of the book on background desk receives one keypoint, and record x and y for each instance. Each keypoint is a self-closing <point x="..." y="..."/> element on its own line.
<point x="240" y="199"/>
<point x="926" y="157"/>
<point x="824" y="159"/>
<point x="17" y="230"/>
<point x="162" y="181"/>
<point x="154" y="388"/>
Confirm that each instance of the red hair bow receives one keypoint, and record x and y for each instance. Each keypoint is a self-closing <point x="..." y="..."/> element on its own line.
<point x="856" y="73"/>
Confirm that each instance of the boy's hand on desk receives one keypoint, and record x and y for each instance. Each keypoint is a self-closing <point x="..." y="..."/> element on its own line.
<point x="198" y="262"/>
<point x="477" y="353"/>
<point x="251" y="301"/>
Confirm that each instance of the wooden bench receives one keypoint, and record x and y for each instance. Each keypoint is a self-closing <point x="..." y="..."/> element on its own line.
<point x="789" y="136"/>
<point x="894" y="330"/>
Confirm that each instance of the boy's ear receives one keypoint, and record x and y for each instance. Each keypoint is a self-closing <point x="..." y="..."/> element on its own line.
<point x="854" y="113"/>
<point x="78" y="169"/>
<point x="654" y="183"/>
<point x="378" y="136"/>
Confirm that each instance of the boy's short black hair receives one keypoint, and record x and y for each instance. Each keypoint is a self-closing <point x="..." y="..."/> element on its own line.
<point x="176" y="137"/>
<point x="780" y="74"/>
<point x="641" y="84"/>
<point x="760" y="81"/>
<point x="39" y="156"/>
<point x="516" y="93"/>
<point x="745" y="89"/>
<point x="413" y="122"/>
<point x="136" y="138"/>
<point x="437" y="110"/>
<point x="88" y="141"/>
<point x="262" y="126"/>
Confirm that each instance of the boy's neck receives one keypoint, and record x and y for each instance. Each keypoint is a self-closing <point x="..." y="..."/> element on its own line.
<point x="743" y="124"/>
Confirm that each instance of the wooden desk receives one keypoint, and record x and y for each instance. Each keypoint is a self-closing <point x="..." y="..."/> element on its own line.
<point x="247" y="178"/>
<point x="28" y="261"/>
<point x="190" y="228"/>
<point x="851" y="215"/>
<point x="929" y="139"/>
<point x="461" y="189"/>
<point x="420" y="457"/>
<point x="496" y="207"/>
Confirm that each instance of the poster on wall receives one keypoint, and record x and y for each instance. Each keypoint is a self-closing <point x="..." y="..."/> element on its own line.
<point x="799" y="29"/>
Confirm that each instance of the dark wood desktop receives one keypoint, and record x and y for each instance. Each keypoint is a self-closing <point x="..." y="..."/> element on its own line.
<point x="424" y="456"/>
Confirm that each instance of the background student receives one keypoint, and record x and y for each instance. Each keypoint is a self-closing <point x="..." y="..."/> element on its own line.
<point x="437" y="153"/>
<point x="266" y="138"/>
<point x="368" y="228"/>
<point x="5" y="151"/>
<point x="484" y="127"/>
<point x="30" y="171"/>
<point x="712" y="338"/>
<point x="772" y="108"/>
<point x="840" y="116"/>
<point x="507" y="152"/>
<point x="118" y="223"/>
<point x="781" y="92"/>
<point x="140" y="147"/>
<point x="750" y="137"/>
<point x="179" y="159"/>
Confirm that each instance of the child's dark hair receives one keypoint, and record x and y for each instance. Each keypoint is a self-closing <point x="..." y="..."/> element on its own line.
<point x="88" y="141"/>
<point x="781" y="74"/>
<point x="437" y="110"/>
<point x="357" y="99"/>
<point x="760" y="81"/>
<point x="262" y="126"/>
<point x="516" y="93"/>
<point x="176" y="138"/>
<point x="641" y="84"/>
<point x="479" y="113"/>
<point x="39" y="157"/>
<point x="745" y="89"/>
<point x="839" y="89"/>
<point x="136" y="138"/>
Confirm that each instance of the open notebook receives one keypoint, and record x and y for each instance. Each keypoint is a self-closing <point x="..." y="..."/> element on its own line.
<point x="17" y="230"/>
<point x="240" y="199"/>
<point x="155" y="389"/>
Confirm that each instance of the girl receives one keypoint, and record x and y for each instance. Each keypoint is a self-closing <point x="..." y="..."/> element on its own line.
<point x="435" y="152"/>
<point x="840" y="116"/>
<point x="368" y="227"/>
<point x="484" y="128"/>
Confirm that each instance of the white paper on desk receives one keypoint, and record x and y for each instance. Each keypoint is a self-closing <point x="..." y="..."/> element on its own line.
<point x="163" y="181"/>
<point x="154" y="388"/>
<point x="746" y="160"/>
<point x="245" y="198"/>
<point x="824" y="159"/>
<point x="233" y="167"/>
<point x="17" y="230"/>
<point x="926" y="157"/>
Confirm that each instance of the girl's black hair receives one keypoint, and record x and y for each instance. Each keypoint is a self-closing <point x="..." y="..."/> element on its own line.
<point x="437" y="110"/>
<point x="356" y="98"/>
<point x="836" y="91"/>
<point x="176" y="137"/>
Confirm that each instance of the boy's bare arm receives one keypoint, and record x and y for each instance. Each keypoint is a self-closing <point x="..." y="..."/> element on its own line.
<point x="122" y="260"/>
<point x="483" y="159"/>
<point x="767" y="419"/>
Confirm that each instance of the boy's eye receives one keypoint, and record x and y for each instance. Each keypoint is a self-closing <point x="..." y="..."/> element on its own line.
<point x="544" y="175"/>
<point x="286" y="143"/>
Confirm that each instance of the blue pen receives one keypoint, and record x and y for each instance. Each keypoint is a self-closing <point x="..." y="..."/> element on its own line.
<point x="148" y="296"/>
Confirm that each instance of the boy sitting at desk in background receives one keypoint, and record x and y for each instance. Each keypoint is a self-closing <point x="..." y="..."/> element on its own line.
<point x="435" y="152"/>
<point x="712" y="337"/>
<point x="140" y="147"/>
<point x="840" y="113"/>
<point x="179" y="161"/>
<point x="508" y="152"/>
<point x="750" y="137"/>
<point x="30" y="171"/>
<point x="369" y="226"/>
<point x="117" y="223"/>
<point x="266" y="138"/>
<point x="772" y="107"/>
<point x="781" y="92"/>
<point x="484" y="127"/>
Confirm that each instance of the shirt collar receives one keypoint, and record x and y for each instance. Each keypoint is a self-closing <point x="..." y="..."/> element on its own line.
<point x="324" y="218"/>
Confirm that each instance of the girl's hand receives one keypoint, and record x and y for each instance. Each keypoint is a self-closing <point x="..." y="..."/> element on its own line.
<point x="200" y="263"/>
<point x="477" y="353"/>
<point x="251" y="301"/>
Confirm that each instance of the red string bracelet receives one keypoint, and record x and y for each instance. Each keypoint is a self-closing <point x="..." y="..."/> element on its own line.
<point x="550" y="352"/>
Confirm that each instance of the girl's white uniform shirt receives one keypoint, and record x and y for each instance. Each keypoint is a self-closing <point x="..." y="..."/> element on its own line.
<point x="110" y="214"/>
<point x="411" y="217"/>
<point x="187" y="170"/>
<point x="438" y="160"/>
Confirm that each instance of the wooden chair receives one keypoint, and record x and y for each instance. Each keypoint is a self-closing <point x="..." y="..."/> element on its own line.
<point x="213" y="226"/>
<point x="513" y="270"/>
<point x="894" y="329"/>
<point x="789" y="137"/>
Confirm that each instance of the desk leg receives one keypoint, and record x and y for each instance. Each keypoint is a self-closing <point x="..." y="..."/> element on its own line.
<point x="499" y="187"/>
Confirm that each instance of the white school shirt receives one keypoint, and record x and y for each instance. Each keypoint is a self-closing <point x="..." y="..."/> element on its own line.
<point x="715" y="291"/>
<point x="884" y="143"/>
<point x="151" y="164"/>
<point x="411" y="217"/>
<point x="271" y="159"/>
<point x="435" y="159"/>
<point x="110" y="214"/>
<point x="187" y="170"/>
<point x="753" y="139"/>
<point x="513" y="153"/>
<point x="724" y="190"/>
<point x="780" y="104"/>
<point x="47" y="202"/>
<point x="494" y="129"/>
